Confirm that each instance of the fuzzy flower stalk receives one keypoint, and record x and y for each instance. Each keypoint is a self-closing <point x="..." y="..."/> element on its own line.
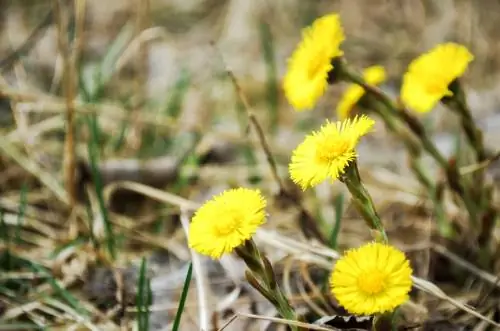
<point x="355" y="95"/>
<point x="226" y="224"/>
<point x="458" y="103"/>
<point x="399" y="111"/>
<point x="330" y="154"/>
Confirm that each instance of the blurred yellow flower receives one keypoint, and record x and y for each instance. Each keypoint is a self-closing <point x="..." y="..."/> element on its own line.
<point x="372" y="76"/>
<point x="373" y="278"/>
<point x="226" y="221"/>
<point x="327" y="152"/>
<point x="429" y="76"/>
<point x="308" y="67"/>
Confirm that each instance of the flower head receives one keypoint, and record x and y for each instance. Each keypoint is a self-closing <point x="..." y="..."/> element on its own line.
<point x="374" y="278"/>
<point x="226" y="221"/>
<point x="327" y="152"/>
<point x="373" y="76"/>
<point x="429" y="76"/>
<point x="308" y="67"/>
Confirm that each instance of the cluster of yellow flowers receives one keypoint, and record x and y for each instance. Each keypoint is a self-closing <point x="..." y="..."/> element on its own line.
<point x="376" y="277"/>
<point x="424" y="84"/>
<point x="371" y="279"/>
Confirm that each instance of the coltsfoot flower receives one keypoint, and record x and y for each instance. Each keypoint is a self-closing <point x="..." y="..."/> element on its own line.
<point x="326" y="153"/>
<point x="429" y="76"/>
<point x="226" y="221"/>
<point x="373" y="75"/>
<point x="373" y="278"/>
<point x="308" y="67"/>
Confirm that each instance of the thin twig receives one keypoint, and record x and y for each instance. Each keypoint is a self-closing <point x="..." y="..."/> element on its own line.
<point x="69" y="162"/>
<point x="202" y="286"/>
<point x="44" y="103"/>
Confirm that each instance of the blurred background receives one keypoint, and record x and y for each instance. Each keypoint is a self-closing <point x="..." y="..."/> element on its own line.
<point x="151" y="50"/>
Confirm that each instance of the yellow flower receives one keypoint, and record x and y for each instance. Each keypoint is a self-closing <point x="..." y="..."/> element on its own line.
<point x="373" y="76"/>
<point x="327" y="152"/>
<point x="308" y="67"/>
<point x="226" y="221"/>
<point x="429" y="76"/>
<point x="374" y="278"/>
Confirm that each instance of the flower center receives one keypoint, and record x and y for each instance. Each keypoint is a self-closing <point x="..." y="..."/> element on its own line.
<point x="226" y="225"/>
<point x="327" y="151"/>
<point x="372" y="282"/>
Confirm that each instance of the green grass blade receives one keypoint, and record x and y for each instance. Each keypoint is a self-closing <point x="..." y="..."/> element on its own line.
<point x="182" y="301"/>
<point x="193" y="163"/>
<point x="94" y="161"/>
<point x="174" y="104"/>
<point x="4" y="230"/>
<point x="94" y="77"/>
<point x="4" y="234"/>
<point x="143" y="298"/>
<point x="21" y="212"/>
<point x="75" y="243"/>
<point x="247" y="150"/>
<point x="155" y="143"/>
<point x="267" y="45"/>
<point x="339" y="212"/>
<point x="119" y="142"/>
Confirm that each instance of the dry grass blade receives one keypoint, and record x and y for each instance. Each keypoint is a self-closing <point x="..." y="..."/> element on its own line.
<point x="49" y="104"/>
<point x="286" y="322"/>
<point x="69" y="85"/>
<point x="152" y="193"/>
<point x="202" y="285"/>
<point x="33" y="168"/>
<point x="487" y="277"/>
<point x="432" y="289"/>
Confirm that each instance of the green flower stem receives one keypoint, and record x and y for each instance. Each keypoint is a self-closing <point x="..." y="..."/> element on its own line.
<point x="451" y="171"/>
<point x="415" y="161"/>
<point x="363" y="201"/>
<point x="488" y="220"/>
<point x="458" y="103"/>
<point x="413" y="146"/>
<point x="483" y="194"/>
<point x="261" y="276"/>
<point x="385" y="321"/>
